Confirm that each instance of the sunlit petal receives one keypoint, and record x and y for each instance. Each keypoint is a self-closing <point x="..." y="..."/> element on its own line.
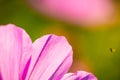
<point x="50" y="55"/>
<point x="15" y="47"/>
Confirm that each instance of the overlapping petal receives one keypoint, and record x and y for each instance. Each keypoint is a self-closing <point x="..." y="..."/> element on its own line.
<point x="12" y="48"/>
<point x="79" y="75"/>
<point x="51" y="58"/>
<point x="48" y="58"/>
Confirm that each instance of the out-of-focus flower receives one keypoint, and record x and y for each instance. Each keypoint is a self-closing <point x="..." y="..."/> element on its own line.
<point x="84" y="12"/>
<point x="48" y="58"/>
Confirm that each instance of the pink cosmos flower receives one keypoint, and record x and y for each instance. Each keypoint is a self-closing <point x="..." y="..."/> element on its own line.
<point x="85" y="12"/>
<point x="48" y="58"/>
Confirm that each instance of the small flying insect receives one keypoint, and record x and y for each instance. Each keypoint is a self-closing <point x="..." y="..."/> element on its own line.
<point x="113" y="50"/>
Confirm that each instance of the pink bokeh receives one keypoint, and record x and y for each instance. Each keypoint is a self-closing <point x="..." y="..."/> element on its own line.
<point x="85" y="12"/>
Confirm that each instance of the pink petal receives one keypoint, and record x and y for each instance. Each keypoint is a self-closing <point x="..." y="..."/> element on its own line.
<point x="14" y="47"/>
<point x="51" y="58"/>
<point x="79" y="75"/>
<point x="10" y="50"/>
<point x="59" y="72"/>
<point x="25" y="56"/>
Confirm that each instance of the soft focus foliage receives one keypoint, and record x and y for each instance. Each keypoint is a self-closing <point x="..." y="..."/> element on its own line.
<point x="96" y="50"/>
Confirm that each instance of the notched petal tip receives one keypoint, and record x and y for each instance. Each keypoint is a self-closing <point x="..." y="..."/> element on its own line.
<point x="63" y="38"/>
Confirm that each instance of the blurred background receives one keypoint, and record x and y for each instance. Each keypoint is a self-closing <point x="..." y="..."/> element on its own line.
<point x="92" y="27"/>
